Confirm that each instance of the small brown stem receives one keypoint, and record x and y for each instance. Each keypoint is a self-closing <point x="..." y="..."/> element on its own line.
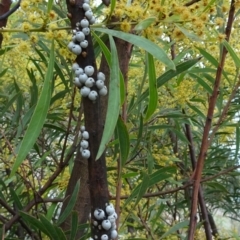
<point x="204" y="145"/>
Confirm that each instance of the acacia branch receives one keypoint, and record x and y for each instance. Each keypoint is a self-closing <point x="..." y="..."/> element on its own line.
<point x="205" y="143"/>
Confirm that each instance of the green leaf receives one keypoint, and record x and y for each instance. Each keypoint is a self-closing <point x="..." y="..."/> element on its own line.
<point x="144" y="24"/>
<point x="3" y="72"/>
<point x="202" y="83"/>
<point x="208" y="56"/>
<point x="153" y="95"/>
<point x="74" y="225"/>
<point x="54" y="232"/>
<point x="113" y="100"/>
<point x="143" y="43"/>
<point x="49" y="5"/>
<point x="143" y="187"/>
<point x="217" y="187"/>
<point x="124" y="143"/>
<point x="70" y="205"/>
<point x="112" y="7"/>
<point x="175" y="228"/>
<point x="39" y="226"/>
<point x="169" y="75"/>
<point x="38" y="117"/>
<point x="232" y="53"/>
<point x="16" y="199"/>
<point x="107" y="55"/>
<point x="188" y="34"/>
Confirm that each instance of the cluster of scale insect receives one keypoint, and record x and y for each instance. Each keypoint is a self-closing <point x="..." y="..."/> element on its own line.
<point x="84" y="143"/>
<point x="105" y="219"/>
<point x="83" y="79"/>
<point x="79" y="41"/>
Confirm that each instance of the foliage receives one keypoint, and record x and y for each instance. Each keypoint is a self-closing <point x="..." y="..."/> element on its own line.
<point x="177" y="49"/>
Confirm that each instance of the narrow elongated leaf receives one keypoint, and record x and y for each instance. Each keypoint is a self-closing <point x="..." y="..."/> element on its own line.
<point x="49" y="227"/>
<point x="74" y="225"/>
<point x="107" y="55"/>
<point x="144" y="24"/>
<point x="71" y="204"/>
<point x="49" y="5"/>
<point x="188" y="34"/>
<point x="143" y="187"/>
<point x="3" y="72"/>
<point x="38" y="117"/>
<point x="124" y="143"/>
<point x="232" y="53"/>
<point x="208" y="56"/>
<point x="202" y="82"/>
<point x="113" y="100"/>
<point x="153" y="95"/>
<point x="175" y="228"/>
<point x="143" y="43"/>
<point x="34" y="222"/>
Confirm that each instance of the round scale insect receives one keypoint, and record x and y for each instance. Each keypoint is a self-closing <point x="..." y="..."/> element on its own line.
<point x="89" y="14"/>
<point x="85" y="91"/>
<point x="74" y="38"/>
<point x="77" y="82"/>
<point x="101" y="76"/>
<point x="103" y="91"/>
<point x="84" y="44"/>
<point x="80" y="36"/>
<point x="75" y="66"/>
<point x="85" y="153"/>
<point x="110" y="209"/>
<point x="92" y="20"/>
<point x="71" y="45"/>
<point x="84" y="144"/>
<point x="89" y="70"/>
<point x="83" y="77"/>
<point x="86" y="31"/>
<point x="90" y="82"/>
<point x="84" y="23"/>
<point x="93" y="95"/>
<point x="111" y="218"/>
<point x="78" y="71"/>
<point x="86" y="1"/>
<point x="85" y="135"/>
<point x="99" y="84"/>
<point x="114" y="234"/>
<point x="106" y="224"/>
<point x="99" y="214"/>
<point x="86" y="6"/>
<point x="76" y="49"/>
<point x="82" y="128"/>
<point x="104" y="237"/>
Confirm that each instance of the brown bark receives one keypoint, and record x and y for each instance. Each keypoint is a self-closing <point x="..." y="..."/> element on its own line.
<point x="94" y="117"/>
<point x="4" y="7"/>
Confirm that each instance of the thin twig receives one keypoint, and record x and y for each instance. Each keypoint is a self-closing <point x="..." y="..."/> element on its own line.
<point x="204" y="145"/>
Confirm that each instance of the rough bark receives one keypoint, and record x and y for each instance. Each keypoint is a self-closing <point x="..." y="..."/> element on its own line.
<point x="4" y="7"/>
